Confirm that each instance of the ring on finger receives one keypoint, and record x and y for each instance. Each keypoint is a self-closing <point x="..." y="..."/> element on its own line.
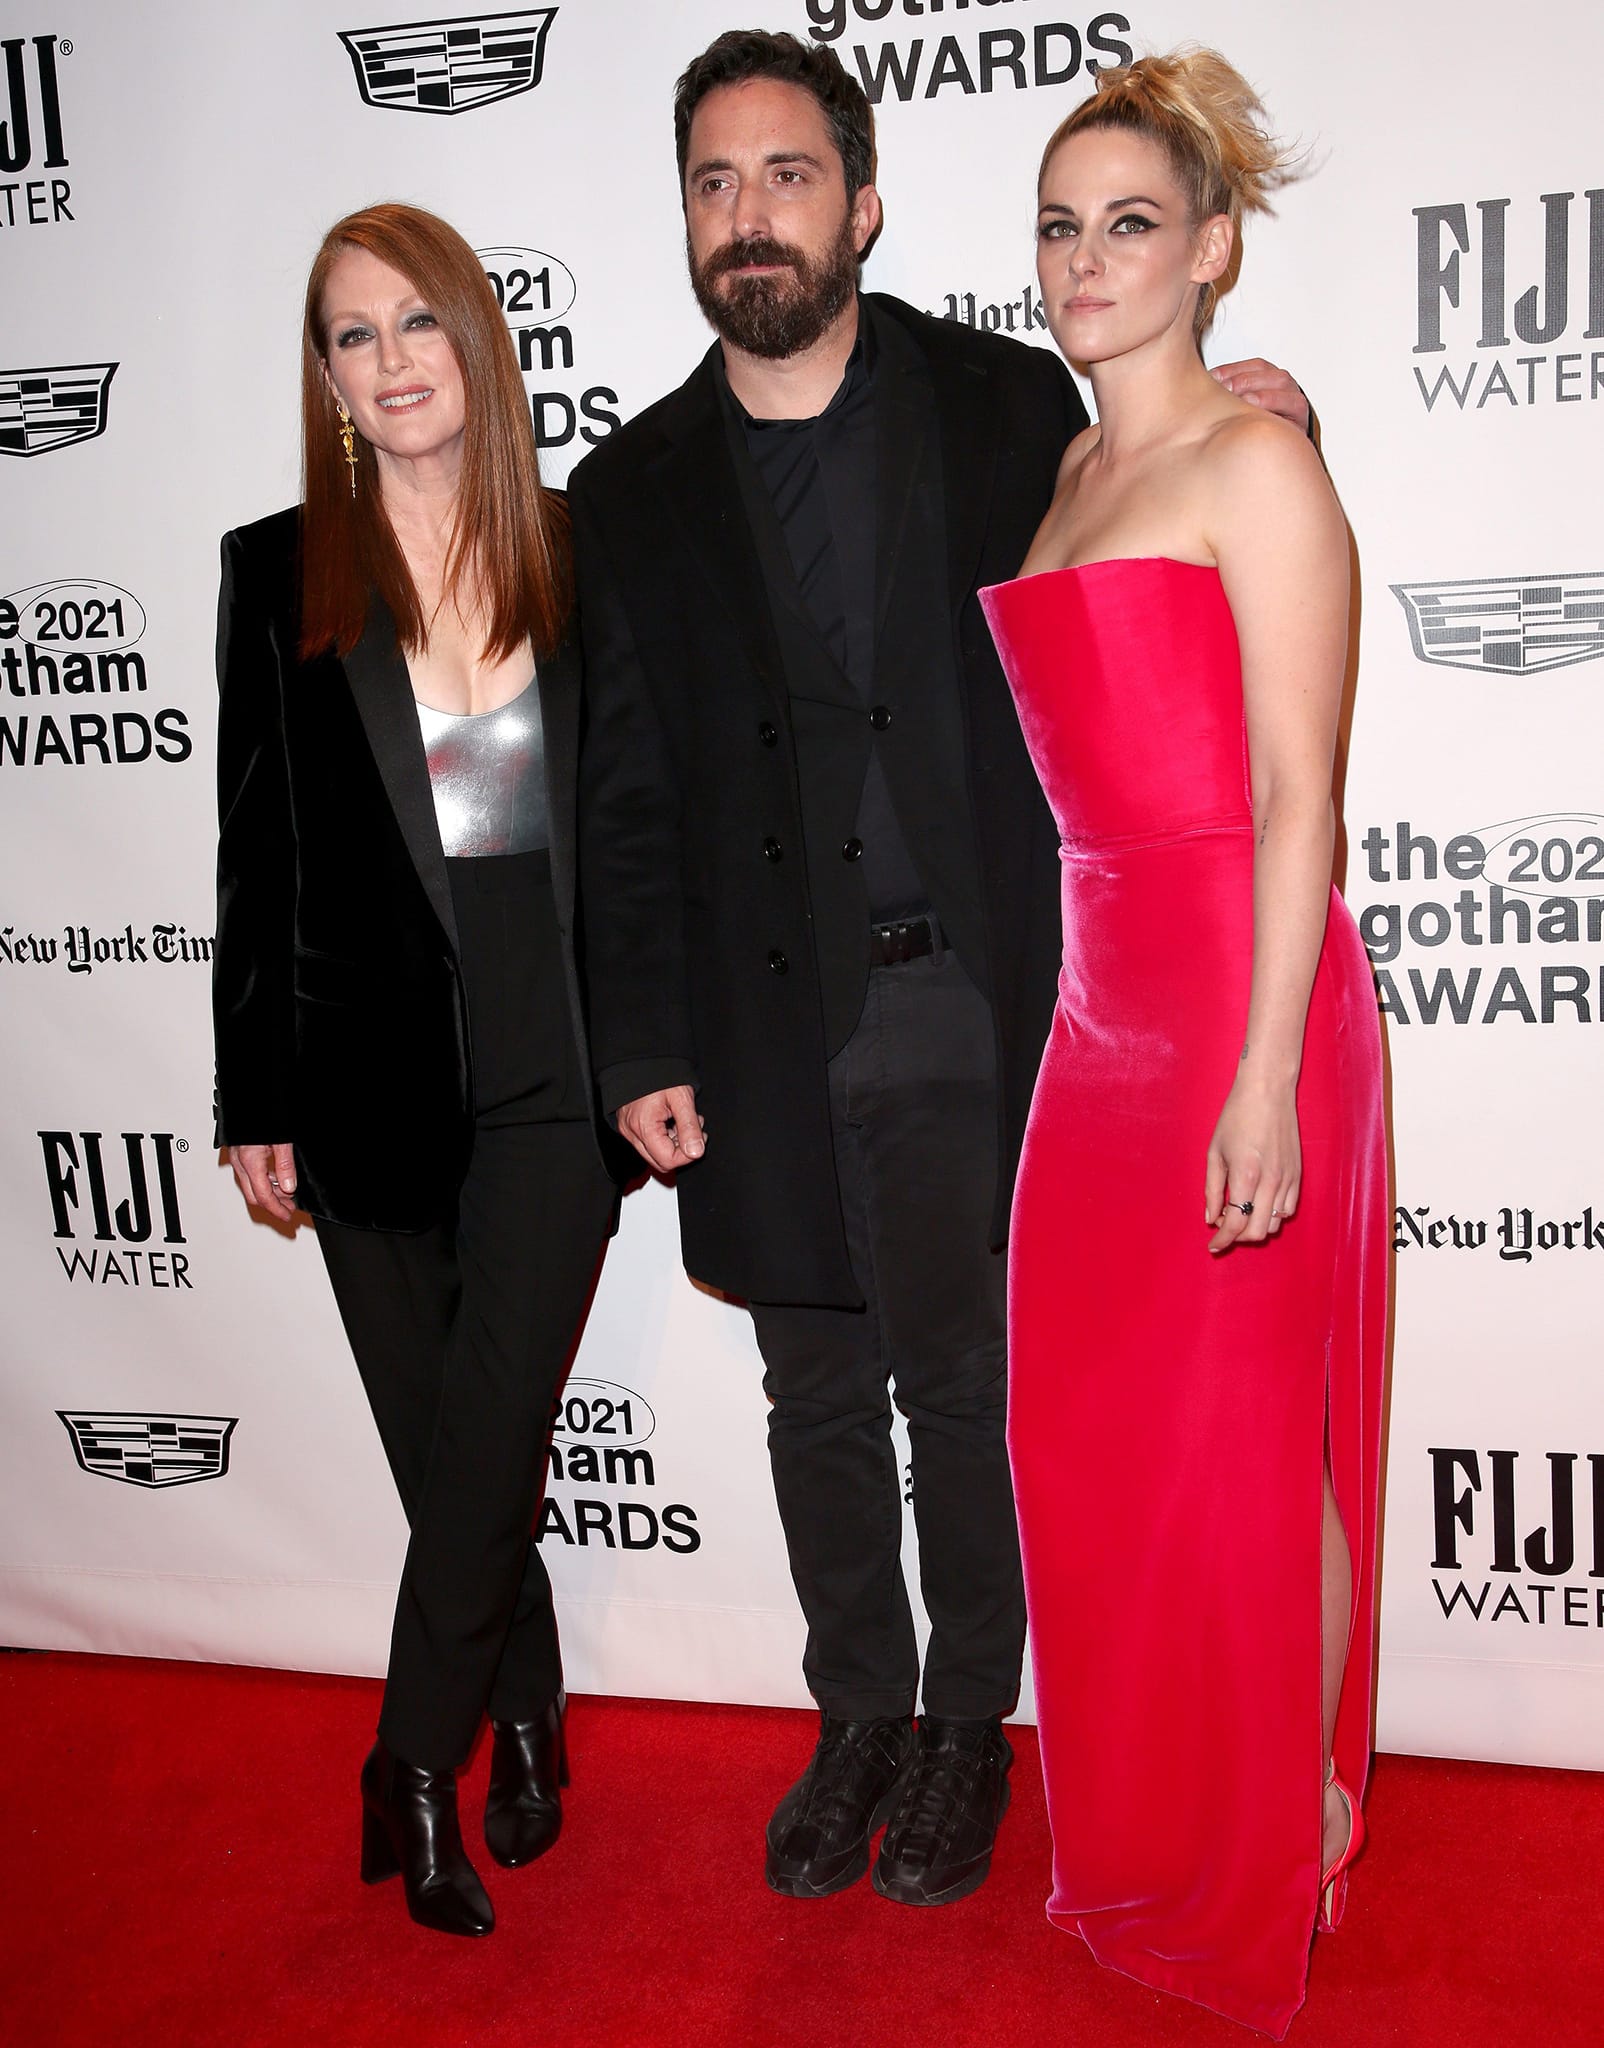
<point x="1245" y="1207"/>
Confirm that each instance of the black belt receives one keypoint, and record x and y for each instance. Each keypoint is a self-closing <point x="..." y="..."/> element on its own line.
<point x="907" y="938"/>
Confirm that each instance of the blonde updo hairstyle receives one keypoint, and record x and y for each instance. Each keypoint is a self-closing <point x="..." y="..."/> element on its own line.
<point x="1209" y="122"/>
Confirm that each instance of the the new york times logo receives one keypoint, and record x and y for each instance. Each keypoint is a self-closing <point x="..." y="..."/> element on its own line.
<point x="121" y="1203"/>
<point x="1534" y="884"/>
<point x="450" y="66"/>
<point x="30" y="133"/>
<point x="80" y="949"/>
<point x="1518" y="1235"/>
<point x="78" y="639"/>
<point x="1024" y="315"/>
<point x="599" y="1434"/>
<point x="1571" y="290"/>
<point x="1501" y="1565"/>
<point x="535" y="293"/>
<point x="973" y="59"/>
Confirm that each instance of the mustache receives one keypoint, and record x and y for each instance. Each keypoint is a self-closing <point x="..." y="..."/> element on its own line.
<point x="760" y="251"/>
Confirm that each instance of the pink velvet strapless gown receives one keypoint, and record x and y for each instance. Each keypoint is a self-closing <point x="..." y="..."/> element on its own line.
<point x="1167" y="1409"/>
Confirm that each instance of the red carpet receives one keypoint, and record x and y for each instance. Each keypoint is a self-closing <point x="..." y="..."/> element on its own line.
<point x="179" y="1867"/>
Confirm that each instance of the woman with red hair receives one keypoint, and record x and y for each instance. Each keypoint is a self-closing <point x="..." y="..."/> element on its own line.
<point x="400" y="1041"/>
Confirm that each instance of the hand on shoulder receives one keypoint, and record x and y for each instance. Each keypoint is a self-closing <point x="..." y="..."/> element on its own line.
<point x="1267" y="385"/>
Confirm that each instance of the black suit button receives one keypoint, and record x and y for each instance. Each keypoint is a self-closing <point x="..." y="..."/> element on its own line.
<point x="772" y="849"/>
<point x="768" y="734"/>
<point x="778" y="962"/>
<point x="879" y="718"/>
<point x="853" y="850"/>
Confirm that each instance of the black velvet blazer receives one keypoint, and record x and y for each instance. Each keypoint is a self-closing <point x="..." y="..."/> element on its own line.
<point x="340" y="1016"/>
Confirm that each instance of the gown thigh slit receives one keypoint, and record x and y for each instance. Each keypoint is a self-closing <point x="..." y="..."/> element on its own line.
<point x="1169" y="1411"/>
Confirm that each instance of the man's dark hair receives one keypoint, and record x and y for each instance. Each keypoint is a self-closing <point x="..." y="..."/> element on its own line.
<point x="743" y="53"/>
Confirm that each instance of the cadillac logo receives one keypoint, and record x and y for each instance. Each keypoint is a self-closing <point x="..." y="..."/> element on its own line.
<point x="45" y="409"/>
<point x="1506" y="625"/>
<point x="150" y="1450"/>
<point x="450" y="67"/>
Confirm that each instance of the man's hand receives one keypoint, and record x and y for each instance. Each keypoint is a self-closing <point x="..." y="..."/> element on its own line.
<point x="664" y="1128"/>
<point x="1262" y="384"/>
<point x="265" y="1176"/>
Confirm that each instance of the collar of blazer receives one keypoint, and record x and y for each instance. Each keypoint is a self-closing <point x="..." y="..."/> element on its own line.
<point x="377" y="673"/>
<point x="923" y="371"/>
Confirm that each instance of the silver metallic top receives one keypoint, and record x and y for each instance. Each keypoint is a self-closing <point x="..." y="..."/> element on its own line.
<point x="487" y="770"/>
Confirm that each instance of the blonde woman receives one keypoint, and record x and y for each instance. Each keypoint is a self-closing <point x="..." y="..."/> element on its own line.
<point x="1199" y="1241"/>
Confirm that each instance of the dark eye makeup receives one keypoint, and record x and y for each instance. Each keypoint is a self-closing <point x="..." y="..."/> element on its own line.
<point x="359" y="331"/>
<point x="1059" y="227"/>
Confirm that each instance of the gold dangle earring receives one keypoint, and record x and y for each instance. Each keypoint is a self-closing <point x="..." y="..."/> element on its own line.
<point x="347" y="439"/>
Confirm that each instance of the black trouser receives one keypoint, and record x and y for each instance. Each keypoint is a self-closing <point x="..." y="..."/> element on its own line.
<point x="461" y="1334"/>
<point x="913" y="1097"/>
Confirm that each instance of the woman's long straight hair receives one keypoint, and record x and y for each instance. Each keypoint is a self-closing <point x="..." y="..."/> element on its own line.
<point x="509" y="554"/>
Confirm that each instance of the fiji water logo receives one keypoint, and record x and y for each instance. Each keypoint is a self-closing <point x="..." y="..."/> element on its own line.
<point x="31" y="133"/>
<point x="127" y="1207"/>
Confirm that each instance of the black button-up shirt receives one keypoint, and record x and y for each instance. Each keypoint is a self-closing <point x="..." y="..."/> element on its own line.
<point x="820" y="475"/>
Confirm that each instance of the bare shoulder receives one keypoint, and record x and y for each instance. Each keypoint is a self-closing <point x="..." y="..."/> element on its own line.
<point x="1077" y="451"/>
<point x="1253" y="454"/>
<point x="1263" y="486"/>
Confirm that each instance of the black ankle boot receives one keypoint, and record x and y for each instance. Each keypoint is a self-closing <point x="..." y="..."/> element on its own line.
<point x="409" y="1826"/>
<point x="523" y="1812"/>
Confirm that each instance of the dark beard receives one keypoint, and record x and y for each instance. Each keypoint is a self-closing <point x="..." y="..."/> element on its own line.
<point x="779" y="316"/>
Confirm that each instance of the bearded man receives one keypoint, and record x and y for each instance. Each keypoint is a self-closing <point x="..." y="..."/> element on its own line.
<point x="820" y="892"/>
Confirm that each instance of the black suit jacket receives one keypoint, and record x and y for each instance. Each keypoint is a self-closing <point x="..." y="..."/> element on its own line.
<point x="340" y="1016"/>
<point x="915" y="684"/>
<point x="701" y="959"/>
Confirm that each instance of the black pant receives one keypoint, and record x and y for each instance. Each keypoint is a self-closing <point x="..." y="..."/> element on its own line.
<point x="462" y="1334"/>
<point x="913" y="1097"/>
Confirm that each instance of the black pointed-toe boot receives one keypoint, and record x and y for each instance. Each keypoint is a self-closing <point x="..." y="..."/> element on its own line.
<point x="523" y="1812"/>
<point x="410" y="1830"/>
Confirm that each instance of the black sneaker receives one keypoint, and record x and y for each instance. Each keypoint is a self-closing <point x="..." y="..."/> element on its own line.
<point x="938" y="1842"/>
<point x="818" y="1840"/>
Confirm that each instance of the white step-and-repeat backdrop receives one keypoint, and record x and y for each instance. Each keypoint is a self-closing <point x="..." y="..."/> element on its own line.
<point x="186" y="1465"/>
